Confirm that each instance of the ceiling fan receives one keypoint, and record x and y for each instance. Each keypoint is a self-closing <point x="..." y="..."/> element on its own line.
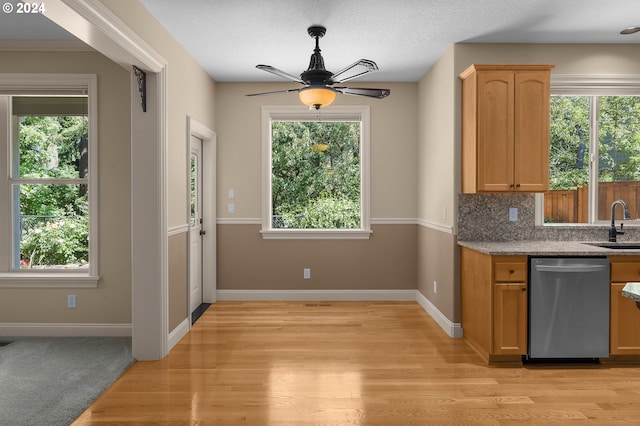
<point x="319" y="89"/>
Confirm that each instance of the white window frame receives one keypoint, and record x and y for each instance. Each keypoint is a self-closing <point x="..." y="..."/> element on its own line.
<point x="589" y="85"/>
<point x="47" y="84"/>
<point x="359" y="113"/>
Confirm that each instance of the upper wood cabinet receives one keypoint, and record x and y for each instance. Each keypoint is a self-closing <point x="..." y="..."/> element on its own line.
<point x="505" y="128"/>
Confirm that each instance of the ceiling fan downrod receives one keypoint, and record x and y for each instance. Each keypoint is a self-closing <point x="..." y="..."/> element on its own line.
<point x="317" y="74"/>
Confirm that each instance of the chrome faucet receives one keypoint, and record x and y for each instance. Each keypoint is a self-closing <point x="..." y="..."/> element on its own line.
<point x="613" y="232"/>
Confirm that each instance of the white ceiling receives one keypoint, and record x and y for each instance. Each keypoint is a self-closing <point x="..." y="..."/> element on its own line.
<point x="404" y="37"/>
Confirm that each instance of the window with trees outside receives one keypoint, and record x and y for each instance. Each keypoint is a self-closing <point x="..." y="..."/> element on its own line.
<point x="47" y="190"/>
<point x="315" y="173"/>
<point x="594" y="152"/>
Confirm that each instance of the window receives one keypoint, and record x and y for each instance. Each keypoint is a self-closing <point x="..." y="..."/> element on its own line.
<point x="595" y="150"/>
<point x="315" y="172"/>
<point x="48" y="193"/>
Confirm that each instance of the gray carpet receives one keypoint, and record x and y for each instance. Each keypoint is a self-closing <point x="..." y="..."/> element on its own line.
<point x="52" y="380"/>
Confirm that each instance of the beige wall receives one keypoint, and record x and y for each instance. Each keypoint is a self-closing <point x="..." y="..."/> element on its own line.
<point x="111" y="302"/>
<point x="387" y="261"/>
<point x="394" y="122"/>
<point x="437" y="261"/>
<point x="191" y="92"/>
<point x="436" y="150"/>
<point x="178" y="304"/>
<point x="437" y="183"/>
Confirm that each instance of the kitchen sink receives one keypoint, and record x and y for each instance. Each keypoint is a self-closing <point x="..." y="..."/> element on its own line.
<point x="618" y="245"/>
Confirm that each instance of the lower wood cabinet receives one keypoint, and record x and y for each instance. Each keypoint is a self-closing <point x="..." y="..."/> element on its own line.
<point x="494" y="301"/>
<point x="624" y="333"/>
<point x="494" y="304"/>
<point x="510" y="318"/>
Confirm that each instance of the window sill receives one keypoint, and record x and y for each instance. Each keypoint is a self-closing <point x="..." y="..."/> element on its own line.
<point x="316" y="234"/>
<point x="47" y="280"/>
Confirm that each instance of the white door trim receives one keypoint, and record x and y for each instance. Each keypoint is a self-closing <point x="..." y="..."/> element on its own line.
<point x="208" y="137"/>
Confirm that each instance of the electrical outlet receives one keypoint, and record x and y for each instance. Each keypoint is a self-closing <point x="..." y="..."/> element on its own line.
<point x="71" y="301"/>
<point x="513" y="214"/>
<point x="307" y="273"/>
<point x="435" y="287"/>
<point x="231" y="208"/>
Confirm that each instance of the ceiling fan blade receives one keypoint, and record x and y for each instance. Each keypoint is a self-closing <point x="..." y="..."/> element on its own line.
<point x="276" y="71"/>
<point x="358" y="68"/>
<point x="359" y="91"/>
<point x="273" y="93"/>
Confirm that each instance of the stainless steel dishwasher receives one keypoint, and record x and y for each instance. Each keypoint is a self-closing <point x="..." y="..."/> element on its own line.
<point x="569" y="308"/>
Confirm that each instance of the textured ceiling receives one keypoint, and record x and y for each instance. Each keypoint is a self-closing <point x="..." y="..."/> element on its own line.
<point x="404" y="37"/>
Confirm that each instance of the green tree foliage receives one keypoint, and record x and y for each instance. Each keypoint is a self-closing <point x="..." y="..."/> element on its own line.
<point x="618" y="133"/>
<point x="569" y="142"/>
<point x="54" y="217"/>
<point x="619" y="138"/>
<point x="313" y="188"/>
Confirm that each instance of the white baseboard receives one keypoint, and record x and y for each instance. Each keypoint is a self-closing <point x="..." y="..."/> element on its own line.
<point x="64" y="330"/>
<point x="178" y="333"/>
<point x="337" y="295"/>
<point x="451" y="328"/>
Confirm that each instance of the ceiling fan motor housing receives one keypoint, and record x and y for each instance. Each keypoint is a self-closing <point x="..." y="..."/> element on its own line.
<point x="317" y="74"/>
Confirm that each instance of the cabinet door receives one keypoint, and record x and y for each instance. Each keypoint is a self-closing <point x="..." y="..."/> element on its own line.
<point x="624" y="323"/>
<point x="531" y="131"/>
<point x="495" y="131"/>
<point x="510" y="319"/>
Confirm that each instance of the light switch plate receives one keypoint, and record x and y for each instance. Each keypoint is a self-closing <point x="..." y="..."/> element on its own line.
<point x="513" y="214"/>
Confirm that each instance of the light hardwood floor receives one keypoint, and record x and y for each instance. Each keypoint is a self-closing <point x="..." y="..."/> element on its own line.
<point x="343" y="363"/>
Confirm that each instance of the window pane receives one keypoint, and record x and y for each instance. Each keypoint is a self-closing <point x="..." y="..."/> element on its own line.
<point x="52" y="226"/>
<point x="315" y="178"/>
<point x="194" y="191"/>
<point x="51" y="145"/>
<point x="566" y="202"/>
<point x="619" y="154"/>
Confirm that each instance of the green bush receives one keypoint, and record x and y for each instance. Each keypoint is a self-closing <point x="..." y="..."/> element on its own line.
<point x="62" y="241"/>
<point x="324" y="213"/>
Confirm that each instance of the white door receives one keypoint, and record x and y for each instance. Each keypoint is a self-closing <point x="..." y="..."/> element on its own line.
<point x="196" y="229"/>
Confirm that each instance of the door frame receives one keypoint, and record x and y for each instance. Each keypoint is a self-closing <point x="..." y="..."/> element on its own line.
<point x="208" y="158"/>
<point x="197" y="231"/>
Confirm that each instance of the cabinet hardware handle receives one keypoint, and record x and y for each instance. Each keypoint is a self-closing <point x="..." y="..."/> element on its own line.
<point x="511" y="271"/>
<point x="523" y="289"/>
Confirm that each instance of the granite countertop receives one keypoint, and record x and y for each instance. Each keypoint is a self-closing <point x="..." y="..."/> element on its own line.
<point x="548" y="248"/>
<point x="632" y="291"/>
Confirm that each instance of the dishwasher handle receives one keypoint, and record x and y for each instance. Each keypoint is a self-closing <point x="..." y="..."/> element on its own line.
<point x="570" y="268"/>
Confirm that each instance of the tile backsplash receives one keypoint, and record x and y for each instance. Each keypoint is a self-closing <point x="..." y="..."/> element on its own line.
<point x="485" y="217"/>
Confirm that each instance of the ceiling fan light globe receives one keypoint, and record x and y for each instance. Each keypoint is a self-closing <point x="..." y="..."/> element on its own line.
<point x="316" y="97"/>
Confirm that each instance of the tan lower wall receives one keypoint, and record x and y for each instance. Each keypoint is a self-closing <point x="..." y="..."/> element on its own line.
<point x="178" y="288"/>
<point x="438" y="260"/>
<point x="385" y="261"/>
